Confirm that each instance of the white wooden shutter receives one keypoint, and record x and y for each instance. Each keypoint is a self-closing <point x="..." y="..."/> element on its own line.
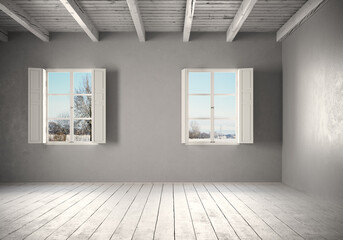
<point x="246" y="105"/>
<point x="99" y="105"/>
<point x="36" y="110"/>
<point x="183" y="106"/>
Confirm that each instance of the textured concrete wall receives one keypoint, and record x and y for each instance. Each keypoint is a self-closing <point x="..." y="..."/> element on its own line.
<point x="143" y="109"/>
<point x="313" y="104"/>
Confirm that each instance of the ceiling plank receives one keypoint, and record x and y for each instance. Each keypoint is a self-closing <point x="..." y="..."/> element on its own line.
<point x="241" y="15"/>
<point x="137" y="19"/>
<point x="20" y="16"/>
<point x="304" y="13"/>
<point x="3" y="35"/>
<point x="188" y="20"/>
<point x="81" y="18"/>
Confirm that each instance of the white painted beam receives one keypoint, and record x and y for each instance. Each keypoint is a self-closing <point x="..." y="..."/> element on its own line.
<point x="240" y="17"/>
<point x="3" y="35"/>
<point x="137" y="19"/>
<point x="188" y="20"/>
<point x="306" y="11"/>
<point x="81" y="18"/>
<point x="20" y="16"/>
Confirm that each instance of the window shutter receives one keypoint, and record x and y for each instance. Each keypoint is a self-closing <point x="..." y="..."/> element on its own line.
<point x="99" y="105"/>
<point x="246" y="106"/>
<point x="36" y="110"/>
<point x="183" y="105"/>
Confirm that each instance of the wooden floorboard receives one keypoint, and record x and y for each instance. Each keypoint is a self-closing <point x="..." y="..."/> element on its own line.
<point x="177" y="211"/>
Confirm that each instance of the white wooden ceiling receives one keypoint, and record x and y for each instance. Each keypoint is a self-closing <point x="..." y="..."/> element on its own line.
<point x="157" y="15"/>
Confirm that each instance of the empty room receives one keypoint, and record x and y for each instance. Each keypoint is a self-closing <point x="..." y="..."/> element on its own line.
<point x="171" y="119"/>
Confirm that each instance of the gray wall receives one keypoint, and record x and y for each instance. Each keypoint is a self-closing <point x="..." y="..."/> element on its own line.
<point x="143" y="109"/>
<point x="313" y="104"/>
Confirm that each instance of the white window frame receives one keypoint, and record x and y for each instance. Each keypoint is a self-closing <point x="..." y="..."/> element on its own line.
<point x="186" y="119"/>
<point x="71" y="117"/>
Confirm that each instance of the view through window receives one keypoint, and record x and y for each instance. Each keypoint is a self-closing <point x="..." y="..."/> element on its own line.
<point x="69" y="106"/>
<point x="212" y="107"/>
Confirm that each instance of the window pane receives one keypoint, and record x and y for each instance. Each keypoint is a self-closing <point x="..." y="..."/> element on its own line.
<point x="224" y="106"/>
<point x="59" y="107"/>
<point x="83" y="130"/>
<point x="59" y="82"/>
<point x="83" y="83"/>
<point x="199" y="129"/>
<point x="224" y="83"/>
<point x="224" y="129"/>
<point x="199" y="82"/>
<point x="82" y="106"/>
<point x="199" y="107"/>
<point x="59" y="130"/>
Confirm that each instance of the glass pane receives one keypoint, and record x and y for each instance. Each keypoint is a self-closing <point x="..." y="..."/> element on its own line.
<point x="59" y="82"/>
<point x="82" y="106"/>
<point x="224" y="106"/>
<point x="224" y="83"/>
<point x="83" y="83"/>
<point x="83" y="130"/>
<point x="224" y="129"/>
<point x="59" y="131"/>
<point x="199" y="107"/>
<point x="199" y="82"/>
<point x="199" y="129"/>
<point x="59" y="107"/>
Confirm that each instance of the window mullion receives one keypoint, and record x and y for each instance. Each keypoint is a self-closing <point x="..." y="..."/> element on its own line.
<point x="212" y="107"/>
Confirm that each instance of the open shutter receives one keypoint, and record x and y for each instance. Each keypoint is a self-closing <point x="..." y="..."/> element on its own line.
<point x="183" y="105"/>
<point x="36" y="111"/>
<point x="246" y="105"/>
<point x="99" y="105"/>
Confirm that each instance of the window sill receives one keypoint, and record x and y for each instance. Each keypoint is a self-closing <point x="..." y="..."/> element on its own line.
<point x="71" y="144"/>
<point x="212" y="144"/>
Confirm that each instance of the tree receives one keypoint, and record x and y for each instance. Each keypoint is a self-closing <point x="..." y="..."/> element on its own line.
<point x="83" y="108"/>
<point x="194" y="131"/>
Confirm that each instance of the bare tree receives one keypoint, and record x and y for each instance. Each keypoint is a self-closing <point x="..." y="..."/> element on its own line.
<point x="83" y="108"/>
<point x="194" y="131"/>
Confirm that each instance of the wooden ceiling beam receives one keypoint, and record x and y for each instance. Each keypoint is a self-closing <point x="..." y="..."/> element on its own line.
<point x="190" y="5"/>
<point x="304" y="13"/>
<point x="137" y="19"/>
<point x="81" y="18"/>
<point x="3" y="35"/>
<point x="240" y="17"/>
<point x="20" y="16"/>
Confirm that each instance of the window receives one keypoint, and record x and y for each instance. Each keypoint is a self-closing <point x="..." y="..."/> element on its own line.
<point x="67" y="106"/>
<point x="211" y="106"/>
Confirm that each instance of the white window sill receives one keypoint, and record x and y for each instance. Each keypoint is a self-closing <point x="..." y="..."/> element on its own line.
<point x="71" y="144"/>
<point x="200" y="143"/>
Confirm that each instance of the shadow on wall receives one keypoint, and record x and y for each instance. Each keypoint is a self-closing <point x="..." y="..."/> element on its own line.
<point x="112" y="107"/>
<point x="267" y="106"/>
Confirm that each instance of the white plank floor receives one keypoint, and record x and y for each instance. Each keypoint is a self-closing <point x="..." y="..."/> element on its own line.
<point x="144" y="211"/>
